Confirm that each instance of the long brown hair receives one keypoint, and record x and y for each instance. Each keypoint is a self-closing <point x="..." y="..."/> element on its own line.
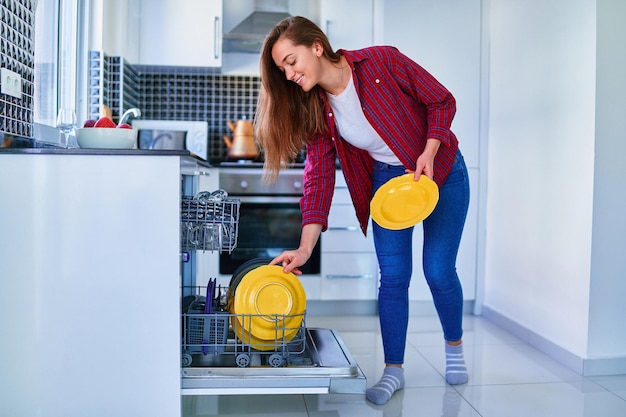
<point x="287" y="116"/>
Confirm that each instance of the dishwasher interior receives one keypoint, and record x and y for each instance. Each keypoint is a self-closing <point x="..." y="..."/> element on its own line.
<point x="220" y="353"/>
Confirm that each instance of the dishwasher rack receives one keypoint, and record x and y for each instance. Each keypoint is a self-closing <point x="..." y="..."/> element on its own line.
<point x="221" y="338"/>
<point x="209" y="221"/>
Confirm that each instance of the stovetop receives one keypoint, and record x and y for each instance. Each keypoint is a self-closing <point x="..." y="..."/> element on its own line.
<point x="243" y="163"/>
<point x="252" y="164"/>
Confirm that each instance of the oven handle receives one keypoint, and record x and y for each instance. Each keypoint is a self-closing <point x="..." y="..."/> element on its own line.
<point x="349" y="276"/>
<point x="345" y="228"/>
<point x="266" y="199"/>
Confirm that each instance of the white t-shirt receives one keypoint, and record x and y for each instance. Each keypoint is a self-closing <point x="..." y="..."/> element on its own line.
<point x="356" y="129"/>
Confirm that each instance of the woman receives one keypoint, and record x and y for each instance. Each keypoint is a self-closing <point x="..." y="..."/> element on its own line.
<point x="381" y="115"/>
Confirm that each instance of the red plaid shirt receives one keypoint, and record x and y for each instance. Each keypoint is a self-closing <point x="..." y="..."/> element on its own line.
<point x="405" y="105"/>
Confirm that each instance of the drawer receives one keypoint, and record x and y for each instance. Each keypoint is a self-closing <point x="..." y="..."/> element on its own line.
<point x="342" y="196"/>
<point x="349" y="276"/>
<point x="344" y="239"/>
<point x="342" y="215"/>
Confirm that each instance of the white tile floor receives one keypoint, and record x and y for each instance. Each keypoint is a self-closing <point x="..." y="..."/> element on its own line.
<point x="508" y="378"/>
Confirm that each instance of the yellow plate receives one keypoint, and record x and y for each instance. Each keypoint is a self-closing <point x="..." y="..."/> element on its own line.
<point x="403" y="202"/>
<point x="268" y="294"/>
<point x="250" y="340"/>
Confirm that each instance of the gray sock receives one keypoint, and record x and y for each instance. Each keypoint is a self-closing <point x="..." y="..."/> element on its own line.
<point x="456" y="372"/>
<point x="391" y="381"/>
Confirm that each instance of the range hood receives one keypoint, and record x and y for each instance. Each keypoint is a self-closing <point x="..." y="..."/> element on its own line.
<point x="248" y="36"/>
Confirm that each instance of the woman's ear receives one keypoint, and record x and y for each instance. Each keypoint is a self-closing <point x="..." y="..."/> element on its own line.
<point x="318" y="49"/>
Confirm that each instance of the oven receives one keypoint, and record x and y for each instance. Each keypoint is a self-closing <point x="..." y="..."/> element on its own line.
<point x="270" y="219"/>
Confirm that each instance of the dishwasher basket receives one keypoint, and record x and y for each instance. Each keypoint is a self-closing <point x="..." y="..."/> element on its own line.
<point x="222" y="338"/>
<point x="209" y="221"/>
<point x="205" y="333"/>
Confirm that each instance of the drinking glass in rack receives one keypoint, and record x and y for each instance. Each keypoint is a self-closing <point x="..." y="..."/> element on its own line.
<point x="66" y="123"/>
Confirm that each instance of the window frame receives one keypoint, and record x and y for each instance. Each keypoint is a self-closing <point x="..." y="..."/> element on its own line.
<point x="65" y="81"/>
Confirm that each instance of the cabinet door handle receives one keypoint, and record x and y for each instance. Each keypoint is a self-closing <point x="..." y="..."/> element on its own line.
<point x="349" y="276"/>
<point x="217" y="29"/>
<point x="346" y="228"/>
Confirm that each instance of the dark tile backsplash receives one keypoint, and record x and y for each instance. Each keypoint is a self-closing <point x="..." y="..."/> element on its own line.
<point x="173" y="93"/>
<point x="17" y="53"/>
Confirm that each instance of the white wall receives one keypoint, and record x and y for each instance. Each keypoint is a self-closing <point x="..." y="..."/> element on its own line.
<point x="543" y="138"/>
<point x="608" y="264"/>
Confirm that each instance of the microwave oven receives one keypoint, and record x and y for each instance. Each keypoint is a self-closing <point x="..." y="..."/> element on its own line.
<point x="173" y="134"/>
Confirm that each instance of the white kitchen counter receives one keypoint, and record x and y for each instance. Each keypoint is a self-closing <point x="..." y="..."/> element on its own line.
<point x="89" y="293"/>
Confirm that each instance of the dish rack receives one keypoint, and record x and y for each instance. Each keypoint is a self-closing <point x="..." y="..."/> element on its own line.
<point x="221" y="338"/>
<point x="209" y="221"/>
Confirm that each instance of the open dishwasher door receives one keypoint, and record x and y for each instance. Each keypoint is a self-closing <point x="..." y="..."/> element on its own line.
<point x="223" y="353"/>
<point x="324" y="366"/>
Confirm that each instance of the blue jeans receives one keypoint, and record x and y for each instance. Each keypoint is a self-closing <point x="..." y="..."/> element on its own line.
<point x="442" y="236"/>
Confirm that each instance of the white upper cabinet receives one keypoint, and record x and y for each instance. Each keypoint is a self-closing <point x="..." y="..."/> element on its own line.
<point x="349" y="24"/>
<point x="181" y="33"/>
<point x="445" y="38"/>
<point x="114" y="28"/>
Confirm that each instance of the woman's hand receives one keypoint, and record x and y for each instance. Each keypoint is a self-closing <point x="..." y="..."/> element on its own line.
<point x="292" y="259"/>
<point x="426" y="161"/>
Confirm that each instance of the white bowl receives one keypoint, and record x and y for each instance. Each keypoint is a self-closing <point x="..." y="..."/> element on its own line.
<point x="106" y="138"/>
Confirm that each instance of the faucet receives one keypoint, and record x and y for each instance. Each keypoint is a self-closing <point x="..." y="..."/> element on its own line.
<point x="128" y="114"/>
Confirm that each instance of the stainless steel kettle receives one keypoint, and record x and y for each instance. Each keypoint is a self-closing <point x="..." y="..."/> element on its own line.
<point x="242" y="145"/>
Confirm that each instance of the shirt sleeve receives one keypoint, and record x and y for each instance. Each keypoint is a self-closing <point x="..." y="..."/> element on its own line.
<point x="424" y="88"/>
<point x="319" y="181"/>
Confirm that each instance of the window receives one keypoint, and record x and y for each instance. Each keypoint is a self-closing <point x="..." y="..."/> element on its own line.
<point x="46" y="68"/>
<point x="60" y="58"/>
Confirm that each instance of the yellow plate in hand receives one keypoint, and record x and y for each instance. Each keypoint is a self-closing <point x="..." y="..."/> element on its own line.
<point x="403" y="202"/>
<point x="275" y="301"/>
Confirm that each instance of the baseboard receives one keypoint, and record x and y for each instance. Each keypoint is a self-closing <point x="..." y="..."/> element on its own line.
<point x="604" y="366"/>
<point x="583" y="366"/>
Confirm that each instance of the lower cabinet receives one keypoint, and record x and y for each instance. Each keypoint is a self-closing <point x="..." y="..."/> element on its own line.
<point x="349" y="265"/>
<point x="89" y="295"/>
<point x="349" y="276"/>
<point x="466" y="258"/>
